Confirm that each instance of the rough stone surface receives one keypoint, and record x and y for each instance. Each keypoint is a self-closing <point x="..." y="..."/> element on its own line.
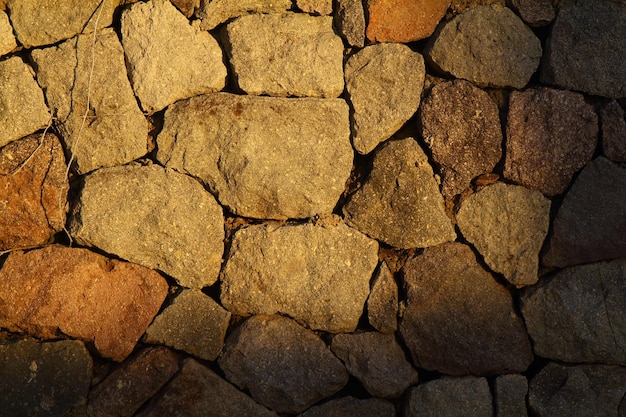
<point x="44" y="22"/>
<point x="321" y="7"/>
<point x="82" y="74"/>
<point x="155" y="217"/>
<point x="507" y="224"/>
<point x="352" y="407"/>
<point x="272" y="158"/>
<point x="382" y="304"/>
<point x="196" y="391"/>
<point x="579" y="315"/>
<point x="581" y="391"/>
<point x="461" y="126"/>
<point x="585" y="48"/>
<point x="165" y="68"/>
<point x="450" y="397"/>
<point x="458" y="319"/>
<point x="214" y="12"/>
<point x="284" y="366"/>
<point x="510" y="395"/>
<point x="468" y="45"/>
<point x="58" y="291"/>
<point x="186" y="7"/>
<point x="317" y="275"/>
<point x="551" y="134"/>
<point x="193" y="323"/>
<point x="127" y="388"/>
<point x="33" y="191"/>
<point x="613" y="126"/>
<point x="22" y="106"/>
<point x="400" y="203"/>
<point x="535" y="12"/>
<point x="591" y="222"/>
<point x="7" y="40"/>
<point x="282" y="55"/>
<point x="459" y="6"/>
<point x="377" y="361"/>
<point x="384" y="83"/>
<point x="43" y="379"/>
<point x="404" y="20"/>
<point x="350" y="21"/>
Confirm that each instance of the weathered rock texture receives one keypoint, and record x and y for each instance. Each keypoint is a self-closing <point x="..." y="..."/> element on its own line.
<point x="155" y="217"/>
<point x="285" y="55"/>
<point x="507" y="224"/>
<point x="350" y="21"/>
<point x="317" y="275"/>
<point x="450" y="397"/>
<point x="384" y="83"/>
<point x="284" y="366"/>
<point x="461" y="126"/>
<point x="458" y="319"/>
<point x="88" y="90"/>
<point x="400" y="203"/>
<point x="581" y="53"/>
<point x="352" y="407"/>
<point x="550" y="135"/>
<point x="613" y="127"/>
<point x="510" y="393"/>
<point x="578" y="315"/>
<point x="487" y="45"/>
<point x="214" y="12"/>
<point x="382" y="304"/>
<point x="33" y="191"/>
<point x="322" y="7"/>
<point x="7" y="40"/>
<point x="58" y="291"/>
<point x="535" y="12"/>
<point x="272" y="158"/>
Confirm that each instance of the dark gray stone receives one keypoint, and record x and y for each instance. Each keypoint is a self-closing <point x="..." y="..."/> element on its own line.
<point x="350" y="20"/>
<point x="535" y="12"/>
<point x="510" y="395"/>
<point x="352" y="407"/>
<point x="613" y="127"/>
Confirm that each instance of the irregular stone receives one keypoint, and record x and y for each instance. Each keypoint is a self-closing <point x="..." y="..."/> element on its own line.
<point x="43" y="379"/>
<point x="613" y="126"/>
<point x="186" y="7"/>
<point x="377" y="361"/>
<point x="7" y="40"/>
<point x="177" y="326"/>
<point x="282" y="55"/>
<point x="97" y="113"/>
<point x="352" y="407"/>
<point x="44" y="22"/>
<point x="535" y="12"/>
<point x="510" y="395"/>
<point x="450" y="397"/>
<point x="33" y="191"/>
<point x="321" y="7"/>
<point x="581" y="391"/>
<point x="165" y="68"/>
<point x="400" y="203"/>
<point x="578" y="314"/>
<point x="57" y="291"/>
<point x="214" y="12"/>
<point x="384" y="83"/>
<point x="317" y="275"/>
<point x="127" y="388"/>
<point x="468" y="45"/>
<point x="273" y="158"/>
<point x="459" y="6"/>
<point x="350" y="21"/>
<point x="585" y="48"/>
<point x="461" y="126"/>
<point x="403" y="21"/>
<point x="284" y="366"/>
<point x="155" y="217"/>
<point x="22" y="106"/>
<point x="486" y="338"/>
<point x="589" y="225"/>
<point x="197" y="390"/>
<point x="382" y="304"/>
<point x="507" y="224"/>
<point x="550" y="135"/>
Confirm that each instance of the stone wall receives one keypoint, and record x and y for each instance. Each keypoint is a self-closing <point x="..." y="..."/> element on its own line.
<point x="312" y="208"/>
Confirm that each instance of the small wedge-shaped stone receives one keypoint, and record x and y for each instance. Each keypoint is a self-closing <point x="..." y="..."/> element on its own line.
<point x="58" y="291"/>
<point x="214" y="12"/>
<point x="317" y="275"/>
<point x="400" y="203"/>
<point x="450" y="397"/>
<point x="155" y="217"/>
<point x="350" y="21"/>
<point x="510" y="392"/>
<point x="165" y="68"/>
<point x="507" y="224"/>
<point x="263" y="157"/>
<point x="384" y="83"/>
<point x="87" y="86"/>
<point x="7" y="40"/>
<point x="282" y="55"/>
<point x="382" y="304"/>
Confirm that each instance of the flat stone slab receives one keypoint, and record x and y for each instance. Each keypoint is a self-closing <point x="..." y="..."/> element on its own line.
<point x="404" y="20"/>
<point x="352" y="407"/>
<point x="59" y="291"/>
<point x="214" y="12"/>
<point x="317" y="275"/>
<point x="7" y="40"/>
<point x="290" y="54"/>
<point x="165" y="68"/>
<point x="83" y="73"/>
<point x="155" y="217"/>
<point x="382" y="304"/>
<point x="450" y="397"/>
<point x="270" y="158"/>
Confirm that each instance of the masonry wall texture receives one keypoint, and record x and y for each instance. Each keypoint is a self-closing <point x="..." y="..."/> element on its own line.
<point x="387" y="208"/>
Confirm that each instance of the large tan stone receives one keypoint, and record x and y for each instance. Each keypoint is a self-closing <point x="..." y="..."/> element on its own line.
<point x="215" y="12"/>
<point x="7" y="40"/>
